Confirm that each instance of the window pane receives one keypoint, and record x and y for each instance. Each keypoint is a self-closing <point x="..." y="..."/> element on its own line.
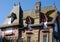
<point x="45" y="38"/>
<point x="9" y="21"/>
<point x="8" y="30"/>
<point x="28" y="39"/>
<point x="12" y="19"/>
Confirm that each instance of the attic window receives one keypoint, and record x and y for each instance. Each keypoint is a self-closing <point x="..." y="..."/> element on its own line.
<point x="9" y="22"/>
<point x="31" y="19"/>
<point x="12" y="17"/>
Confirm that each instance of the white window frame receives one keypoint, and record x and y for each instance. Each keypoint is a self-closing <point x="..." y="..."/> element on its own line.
<point x="9" y="21"/>
<point x="45" y="38"/>
<point x="8" y="30"/>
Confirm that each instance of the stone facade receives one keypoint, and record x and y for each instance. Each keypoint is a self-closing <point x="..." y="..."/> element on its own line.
<point x="20" y="30"/>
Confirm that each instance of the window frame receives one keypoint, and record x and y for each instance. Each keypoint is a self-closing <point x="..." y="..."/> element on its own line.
<point x="28" y="38"/>
<point x="44" y="38"/>
<point x="8" y="30"/>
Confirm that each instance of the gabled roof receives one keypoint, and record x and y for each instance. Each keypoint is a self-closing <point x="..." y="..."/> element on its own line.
<point x="16" y="10"/>
<point x="43" y="10"/>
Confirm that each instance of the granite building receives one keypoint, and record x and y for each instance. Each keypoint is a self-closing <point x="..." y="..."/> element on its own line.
<point x="14" y="27"/>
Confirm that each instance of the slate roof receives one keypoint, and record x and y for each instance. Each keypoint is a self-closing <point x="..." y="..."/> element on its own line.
<point x="16" y="10"/>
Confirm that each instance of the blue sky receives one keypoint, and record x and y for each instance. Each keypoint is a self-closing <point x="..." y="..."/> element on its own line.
<point x="7" y="5"/>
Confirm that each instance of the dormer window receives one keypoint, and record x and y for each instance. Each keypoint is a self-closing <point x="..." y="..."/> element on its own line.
<point x="9" y="22"/>
<point x="29" y="21"/>
<point x="12" y="17"/>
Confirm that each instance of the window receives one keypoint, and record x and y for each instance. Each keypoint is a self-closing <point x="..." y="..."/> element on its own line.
<point x="8" y="30"/>
<point x="9" y="21"/>
<point x="11" y="18"/>
<point x="24" y="22"/>
<point x="28" y="39"/>
<point x="55" y="40"/>
<point x="29" y="19"/>
<point x="56" y="27"/>
<point x="44" y="38"/>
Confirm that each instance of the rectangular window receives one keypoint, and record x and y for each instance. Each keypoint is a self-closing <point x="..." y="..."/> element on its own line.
<point x="12" y="19"/>
<point x="28" y="39"/>
<point x="55" y="40"/>
<point x="8" y="30"/>
<point x="44" y="38"/>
